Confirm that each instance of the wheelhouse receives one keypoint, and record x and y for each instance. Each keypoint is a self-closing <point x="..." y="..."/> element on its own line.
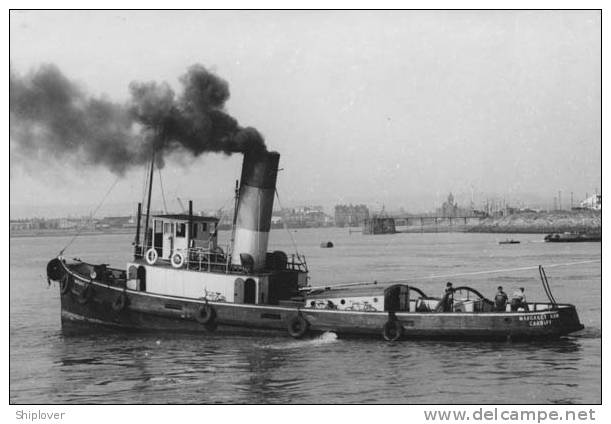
<point x="178" y="233"/>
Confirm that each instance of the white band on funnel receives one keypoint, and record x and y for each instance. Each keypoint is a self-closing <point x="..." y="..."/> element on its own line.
<point x="252" y="242"/>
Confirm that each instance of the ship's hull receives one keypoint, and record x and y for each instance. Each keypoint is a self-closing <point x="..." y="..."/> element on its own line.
<point x="153" y="312"/>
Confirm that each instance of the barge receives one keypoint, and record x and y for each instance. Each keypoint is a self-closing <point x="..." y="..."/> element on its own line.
<point x="181" y="280"/>
<point x="569" y="237"/>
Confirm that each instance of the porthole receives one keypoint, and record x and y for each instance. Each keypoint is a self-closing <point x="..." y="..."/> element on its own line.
<point x="343" y="302"/>
<point x="312" y="303"/>
<point x="375" y="299"/>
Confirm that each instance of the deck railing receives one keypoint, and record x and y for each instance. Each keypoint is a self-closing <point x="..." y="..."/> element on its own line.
<point x="204" y="259"/>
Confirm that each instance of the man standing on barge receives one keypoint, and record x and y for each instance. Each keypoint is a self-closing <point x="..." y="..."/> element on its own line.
<point x="447" y="301"/>
<point x="500" y="300"/>
<point x="518" y="300"/>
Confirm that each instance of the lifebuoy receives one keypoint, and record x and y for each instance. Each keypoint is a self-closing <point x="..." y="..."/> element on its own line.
<point x="151" y="256"/>
<point x="120" y="302"/>
<point x="178" y="260"/>
<point x="298" y="326"/>
<point x="65" y="284"/>
<point x="205" y="314"/>
<point x="392" y="331"/>
<point x="55" y="270"/>
<point x="85" y="294"/>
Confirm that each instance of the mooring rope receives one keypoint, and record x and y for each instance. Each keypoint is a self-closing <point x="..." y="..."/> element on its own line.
<point x="91" y="215"/>
<point x="430" y="277"/>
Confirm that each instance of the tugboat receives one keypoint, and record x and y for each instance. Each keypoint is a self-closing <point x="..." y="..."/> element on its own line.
<point x="181" y="280"/>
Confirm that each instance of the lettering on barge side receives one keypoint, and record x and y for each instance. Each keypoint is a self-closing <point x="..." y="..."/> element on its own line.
<point x="540" y="320"/>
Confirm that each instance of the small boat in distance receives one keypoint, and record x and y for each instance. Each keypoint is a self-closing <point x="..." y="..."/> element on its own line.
<point x="509" y="241"/>
<point x="180" y="279"/>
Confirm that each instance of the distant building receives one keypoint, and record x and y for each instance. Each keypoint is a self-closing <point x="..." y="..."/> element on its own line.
<point x="24" y="225"/>
<point x="65" y="223"/>
<point x="449" y="208"/>
<point x="350" y="215"/>
<point x="305" y="216"/>
<point x="117" y="222"/>
<point x="479" y="213"/>
<point x="594" y="202"/>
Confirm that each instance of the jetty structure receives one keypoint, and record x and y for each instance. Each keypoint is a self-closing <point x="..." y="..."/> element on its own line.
<point x="379" y="225"/>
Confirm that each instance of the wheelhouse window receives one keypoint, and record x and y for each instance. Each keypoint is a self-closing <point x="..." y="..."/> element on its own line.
<point x="194" y="230"/>
<point x="204" y="227"/>
<point x="181" y="230"/>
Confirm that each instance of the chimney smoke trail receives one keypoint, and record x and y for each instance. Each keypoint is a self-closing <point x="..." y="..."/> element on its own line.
<point x="54" y="118"/>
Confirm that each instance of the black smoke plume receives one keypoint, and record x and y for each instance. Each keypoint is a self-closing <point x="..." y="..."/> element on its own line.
<point x="52" y="117"/>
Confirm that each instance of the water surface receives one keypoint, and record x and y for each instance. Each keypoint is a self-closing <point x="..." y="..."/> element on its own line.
<point x="49" y="365"/>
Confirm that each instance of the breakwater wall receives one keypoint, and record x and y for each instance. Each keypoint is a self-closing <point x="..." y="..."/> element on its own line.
<point x="583" y="221"/>
<point x="435" y="224"/>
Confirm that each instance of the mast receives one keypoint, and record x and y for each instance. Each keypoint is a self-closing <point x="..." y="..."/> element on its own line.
<point x="137" y="247"/>
<point x="148" y="239"/>
<point x="235" y="214"/>
<point x="190" y="224"/>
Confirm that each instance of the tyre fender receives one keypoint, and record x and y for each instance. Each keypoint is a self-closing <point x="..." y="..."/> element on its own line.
<point x="298" y="326"/>
<point x="55" y="270"/>
<point x="205" y="314"/>
<point x="392" y="330"/>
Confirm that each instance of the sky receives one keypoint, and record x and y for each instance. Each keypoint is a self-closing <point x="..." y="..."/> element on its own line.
<point x="393" y="109"/>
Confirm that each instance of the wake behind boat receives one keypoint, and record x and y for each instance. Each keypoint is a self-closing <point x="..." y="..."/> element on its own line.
<point x="180" y="280"/>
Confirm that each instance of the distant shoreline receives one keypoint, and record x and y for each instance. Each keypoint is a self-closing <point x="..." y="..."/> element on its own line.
<point x="582" y="221"/>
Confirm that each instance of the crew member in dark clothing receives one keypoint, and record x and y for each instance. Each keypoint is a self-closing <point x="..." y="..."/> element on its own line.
<point x="500" y="300"/>
<point x="447" y="301"/>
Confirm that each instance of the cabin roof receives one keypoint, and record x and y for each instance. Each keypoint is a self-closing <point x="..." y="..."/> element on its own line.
<point x="185" y="217"/>
<point x="346" y="292"/>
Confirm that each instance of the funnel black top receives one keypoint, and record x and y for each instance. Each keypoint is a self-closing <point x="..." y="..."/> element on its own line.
<point x="260" y="169"/>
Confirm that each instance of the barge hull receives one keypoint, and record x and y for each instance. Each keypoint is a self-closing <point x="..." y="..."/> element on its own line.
<point x="152" y="312"/>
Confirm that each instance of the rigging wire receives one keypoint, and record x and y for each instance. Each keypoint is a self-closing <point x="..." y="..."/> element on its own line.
<point x="92" y="214"/>
<point x="286" y="227"/>
<point x="165" y="206"/>
<point x="145" y="182"/>
<point x="430" y="277"/>
<point x="222" y="211"/>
